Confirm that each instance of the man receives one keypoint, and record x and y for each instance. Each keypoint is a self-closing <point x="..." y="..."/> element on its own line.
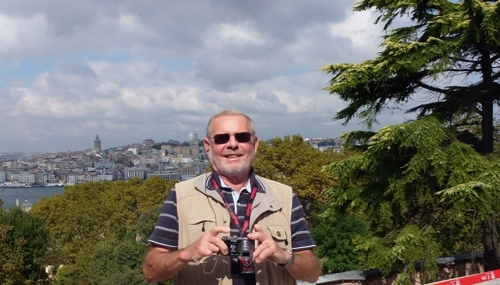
<point x="187" y="243"/>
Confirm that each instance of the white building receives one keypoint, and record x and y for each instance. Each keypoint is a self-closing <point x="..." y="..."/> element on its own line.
<point x="193" y="136"/>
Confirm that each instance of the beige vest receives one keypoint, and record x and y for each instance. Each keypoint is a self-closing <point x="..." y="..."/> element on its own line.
<point x="200" y="209"/>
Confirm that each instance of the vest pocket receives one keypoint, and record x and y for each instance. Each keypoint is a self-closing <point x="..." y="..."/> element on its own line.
<point x="203" y="224"/>
<point x="279" y="235"/>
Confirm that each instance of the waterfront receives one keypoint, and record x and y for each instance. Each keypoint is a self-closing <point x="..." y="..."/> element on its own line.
<point x="32" y="194"/>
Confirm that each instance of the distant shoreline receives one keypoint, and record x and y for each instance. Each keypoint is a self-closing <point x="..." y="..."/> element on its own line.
<point x="11" y="196"/>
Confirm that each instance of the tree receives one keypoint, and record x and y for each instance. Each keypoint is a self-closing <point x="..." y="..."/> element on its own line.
<point x="292" y="161"/>
<point x="147" y="222"/>
<point x="67" y="275"/>
<point x="93" y="226"/>
<point x="109" y="262"/>
<point x="336" y="237"/>
<point x="10" y="259"/>
<point x="422" y="193"/>
<point x="153" y="191"/>
<point x="447" y="39"/>
<point x="89" y="213"/>
<point x="29" y="236"/>
<point x="127" y="277"/>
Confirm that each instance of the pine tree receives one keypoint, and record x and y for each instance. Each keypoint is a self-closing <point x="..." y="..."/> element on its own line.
<point x="446" y="42"/>
<point x="423" y="193"/>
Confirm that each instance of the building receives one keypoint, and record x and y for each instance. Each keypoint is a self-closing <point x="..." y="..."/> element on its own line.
<point x="135" y="172"/>
<point x="193" y="137"/>
<point x="169" y="175"/>
<point x="97" y="143"/>
<point x="26" y="206"/>
<point x="148" y="143"/>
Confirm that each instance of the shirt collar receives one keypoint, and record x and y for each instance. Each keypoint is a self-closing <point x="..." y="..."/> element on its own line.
<point x="219" y="181"/>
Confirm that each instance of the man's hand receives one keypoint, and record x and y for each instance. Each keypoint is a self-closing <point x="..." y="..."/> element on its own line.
<point x="267" y="248"/>
<point x="162" y="263"/>
<point x="306" y="266"/>
<point x="208" y="244"/>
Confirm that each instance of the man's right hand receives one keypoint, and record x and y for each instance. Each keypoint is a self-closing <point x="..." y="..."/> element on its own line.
<point x="208" y="244"/>
<point x="162" y="263"/>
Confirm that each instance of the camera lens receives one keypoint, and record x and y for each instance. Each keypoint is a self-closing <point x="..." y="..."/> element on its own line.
<point x="245" y="249"/>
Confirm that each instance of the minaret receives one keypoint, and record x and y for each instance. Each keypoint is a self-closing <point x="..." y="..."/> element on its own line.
<point x="193" y="136"/>
<point x="97" y="143"/>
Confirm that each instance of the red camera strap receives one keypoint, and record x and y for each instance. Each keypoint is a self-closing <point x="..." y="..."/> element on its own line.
<point x="234" y="216"/>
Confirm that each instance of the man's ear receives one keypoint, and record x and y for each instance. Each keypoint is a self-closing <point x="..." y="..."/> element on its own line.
<point x="206" y="143"/>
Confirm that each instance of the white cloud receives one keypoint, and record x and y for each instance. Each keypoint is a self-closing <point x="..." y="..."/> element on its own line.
<point x="159" y="69"/>
<point x="240" y="35"/>
<point x="21" y="35"/>
<point x="363" y="35"/>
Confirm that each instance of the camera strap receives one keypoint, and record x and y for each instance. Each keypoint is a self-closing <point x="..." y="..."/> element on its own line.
<point x="234" y="216"/>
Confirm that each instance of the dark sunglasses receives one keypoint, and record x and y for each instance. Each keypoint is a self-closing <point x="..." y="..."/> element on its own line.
<point x="239" y="137"/>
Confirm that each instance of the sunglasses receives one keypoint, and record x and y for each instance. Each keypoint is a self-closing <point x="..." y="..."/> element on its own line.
<point x="239" y="137"/>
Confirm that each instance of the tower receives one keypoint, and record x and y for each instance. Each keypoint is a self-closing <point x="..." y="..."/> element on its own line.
<point x="193" y="136"/>
<point x="97" y="143"/>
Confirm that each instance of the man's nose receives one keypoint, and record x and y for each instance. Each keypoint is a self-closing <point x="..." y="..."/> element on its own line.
<point x="232" y="143"/>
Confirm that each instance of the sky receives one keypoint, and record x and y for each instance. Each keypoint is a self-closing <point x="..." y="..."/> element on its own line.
<point x="159" y="69"/>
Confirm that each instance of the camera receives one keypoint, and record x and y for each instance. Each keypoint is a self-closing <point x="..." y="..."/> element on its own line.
<point x="240" y="253"/>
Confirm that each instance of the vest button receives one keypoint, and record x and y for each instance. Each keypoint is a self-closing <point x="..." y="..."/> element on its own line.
<point x="271" y="206"/>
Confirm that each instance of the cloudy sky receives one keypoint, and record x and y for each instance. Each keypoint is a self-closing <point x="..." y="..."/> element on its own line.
<point x="158" y="69"/>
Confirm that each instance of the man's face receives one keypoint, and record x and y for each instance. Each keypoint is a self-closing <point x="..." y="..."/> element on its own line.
<point x="232" y="158"/>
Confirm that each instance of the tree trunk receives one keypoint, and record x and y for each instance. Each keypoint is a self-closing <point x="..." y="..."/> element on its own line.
<point x="490" y="243"/>
<point x="487" y="127"/>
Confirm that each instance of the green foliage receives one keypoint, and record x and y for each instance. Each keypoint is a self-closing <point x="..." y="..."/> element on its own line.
<point x="89" y="213"/>
<point x="28" y="235"/>
<point x="336" y="238"/>
<point x="126" y="277"/>
<point x="11" y="259"/>
<point x="107" y="262"/>
<point x="94" y="226"/>
<point x="147" y="221"/>
<point x="357" y="140"/>
<point x="153" y="192"/>
<point x="413" y="182"/>
<point x="292" y="161"/>
<point x="101" y="263"/>
<point x="68" y="275"/>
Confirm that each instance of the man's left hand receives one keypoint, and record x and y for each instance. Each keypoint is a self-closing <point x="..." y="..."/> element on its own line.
<point x="267" y="248"/>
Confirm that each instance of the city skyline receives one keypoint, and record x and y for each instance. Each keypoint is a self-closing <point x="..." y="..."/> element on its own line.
<point x="90" y="144"/>
<point x="96" y="143"/>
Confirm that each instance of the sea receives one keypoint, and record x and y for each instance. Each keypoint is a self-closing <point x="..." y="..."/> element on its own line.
<point x="16" y="196"/>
